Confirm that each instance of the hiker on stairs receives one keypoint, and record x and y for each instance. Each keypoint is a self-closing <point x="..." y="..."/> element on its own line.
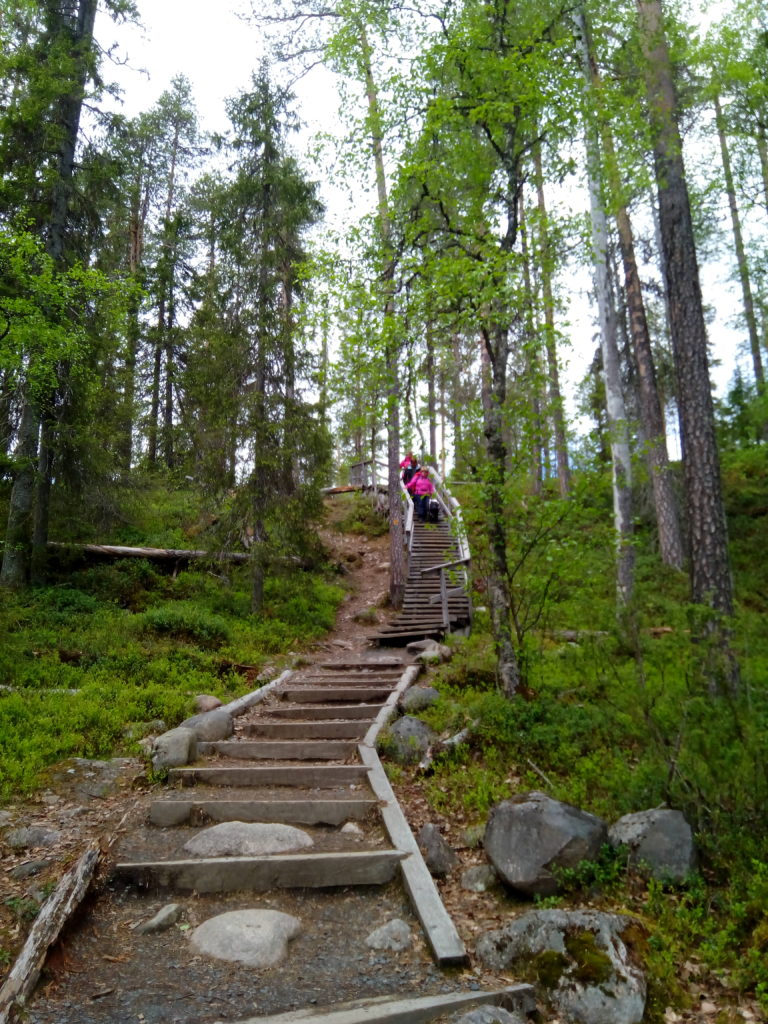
<point x="421" y="489"/>
<point x="409" y="467"/>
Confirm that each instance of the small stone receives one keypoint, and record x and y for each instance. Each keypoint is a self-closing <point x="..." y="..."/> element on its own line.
<point x="351" y="828"/>
<point x="479" y="878"/>
<point x="394" y="935"/>
<point x="164" y="919"/>
<point x="207" y="702"/>
<point x="256" y="938"/>
<point x="32" y="867"/>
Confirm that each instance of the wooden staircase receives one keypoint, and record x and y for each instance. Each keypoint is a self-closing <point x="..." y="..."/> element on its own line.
<point x="305" y="757"/>
<point x="433" y="544"/>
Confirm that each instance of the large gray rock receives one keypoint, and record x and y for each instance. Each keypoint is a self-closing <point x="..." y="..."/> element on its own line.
<point x="211" y="726"/>
<point x="31" y="836"/>
<point x="256" y="938"/>
<point x="660" y="843"/>
<point x="394" y="935"/>
<point x="529" y="838"/>
<point x="174" y="748"/>
<point x="439" y="857"/>
<point x="419" y="697"/>
<point x="409" y="740"/>
<point x="582" y="959"/>
<point x="246" y="839"/>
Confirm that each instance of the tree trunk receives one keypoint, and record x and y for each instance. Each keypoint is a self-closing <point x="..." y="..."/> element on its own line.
<point x="741" y="255"/>
<point x="651" y="413"/>
<point x="15" y="568"/>
<point x="621" y="464"/>
<point x="710" y="568"/>
<point x="397" y="570"/>
<point x="431" y="400"/>
<point x="550" y="338"/>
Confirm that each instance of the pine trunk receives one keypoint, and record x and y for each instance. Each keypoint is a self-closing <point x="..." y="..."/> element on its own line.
<point x="710" y="568"/>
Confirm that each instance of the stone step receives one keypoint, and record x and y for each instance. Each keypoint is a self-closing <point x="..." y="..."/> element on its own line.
<point x="305" y="776"/>
<point x="306" y="730"/>
<point x="296" y="749"/>
<point x="260" y="874"/>
<point x="167" y="813"/>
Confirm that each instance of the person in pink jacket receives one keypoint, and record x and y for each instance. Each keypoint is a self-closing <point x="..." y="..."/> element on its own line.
<point x="421" y="489"/>
<point x="409" y="466"/>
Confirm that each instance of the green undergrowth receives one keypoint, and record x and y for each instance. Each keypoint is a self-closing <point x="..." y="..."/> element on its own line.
<point x="601" y="733"/>
<point x="357" y="513"/>
<point x="86" y="663"/>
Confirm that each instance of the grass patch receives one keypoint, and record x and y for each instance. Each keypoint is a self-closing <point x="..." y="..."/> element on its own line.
<point x="86" y="662"/>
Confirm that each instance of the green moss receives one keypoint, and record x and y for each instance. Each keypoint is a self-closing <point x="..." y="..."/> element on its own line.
<point x="548" y="968"/>
<point x="593" y="965"/>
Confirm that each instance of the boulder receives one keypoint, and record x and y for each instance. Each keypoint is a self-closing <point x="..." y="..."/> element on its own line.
<point x="409" y="740"/>
<point x="417" y="698"/>
<point x="527" y="839"/>
<point x="660" y="843"/>
<point x="31" y="836"/>
<point x="583" y="961"/>
<point x="246" y="839"/>
<point x="207" y="702"/>
<point x="394" y="935"/>
<point x="211" y="726"/>
<point x="256" y="938"/>
<point x="439" y="857"/>
<point x="174" y="748"/>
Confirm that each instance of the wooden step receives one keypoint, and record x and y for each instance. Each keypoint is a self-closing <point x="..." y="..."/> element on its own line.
<point x="326" y="712"/>
<point x="307" y="730"/>
<point x="340" y="694"/>
<point x="305" y="776"/>
<point x="259" y="874"/>
<point x="282" y="750"/>
<point x="166" y="813"/>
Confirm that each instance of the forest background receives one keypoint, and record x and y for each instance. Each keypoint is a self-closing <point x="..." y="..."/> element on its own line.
<point x="185" y="360"/>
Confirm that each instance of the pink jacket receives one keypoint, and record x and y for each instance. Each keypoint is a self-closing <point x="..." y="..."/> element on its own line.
<point x="421" y="485"/>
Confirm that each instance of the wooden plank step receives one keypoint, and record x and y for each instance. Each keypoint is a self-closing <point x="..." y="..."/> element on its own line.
<point x="314" y="777"/>
<point x="374" y="663"/>
<point x="285" y="750"/>
<point x="306" y="730"/>
<point x="167" y="813"/>
<point x="439" y="929"/>
<point x="326" y="712"/>
<point x="259" y="874"/>
<point x="519" y="998"/>
<point x="340" y="694"/>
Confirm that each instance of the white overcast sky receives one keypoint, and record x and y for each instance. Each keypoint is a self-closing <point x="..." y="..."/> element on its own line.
<point x="217" y="51"/>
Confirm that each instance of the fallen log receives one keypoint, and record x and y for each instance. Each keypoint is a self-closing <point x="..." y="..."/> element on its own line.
<point x="54" y="914"/>
<point x="159" y="554"/>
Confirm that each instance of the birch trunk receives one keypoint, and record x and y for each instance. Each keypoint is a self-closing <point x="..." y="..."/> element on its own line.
<point x="621" y="466"/>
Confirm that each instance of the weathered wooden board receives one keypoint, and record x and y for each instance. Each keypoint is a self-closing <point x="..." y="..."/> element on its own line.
<point x="259" y="874"/>
<point x="166" y="813"/>
<point x="391" y="1010"/>
<point x="55" y="913"/>
<point x="307" y="777"/>
<point x="283" y="750"/>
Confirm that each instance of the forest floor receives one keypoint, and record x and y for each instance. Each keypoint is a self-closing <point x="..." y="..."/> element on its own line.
<point x="99" y="972"/>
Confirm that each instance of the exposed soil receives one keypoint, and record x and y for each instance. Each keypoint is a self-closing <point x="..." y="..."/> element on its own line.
<point x="102" y="971"/>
